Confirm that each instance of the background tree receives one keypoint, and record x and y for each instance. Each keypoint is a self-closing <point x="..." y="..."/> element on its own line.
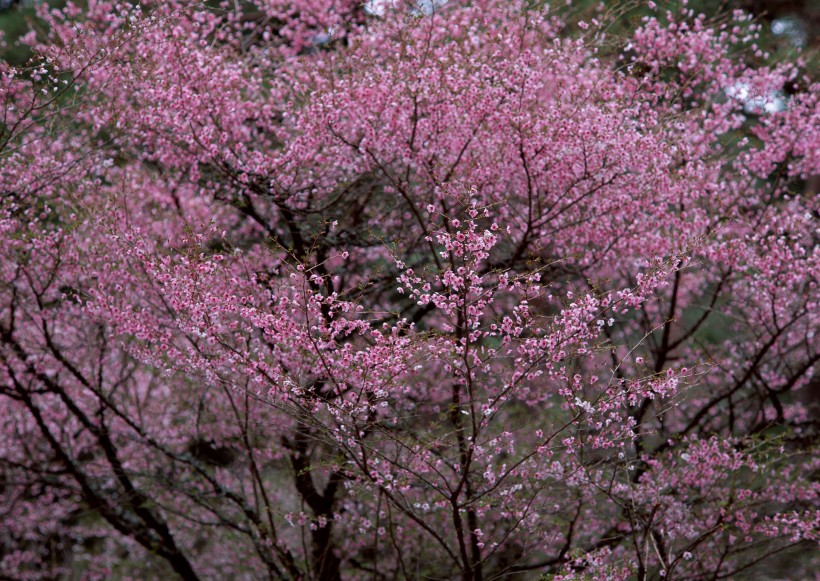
<point x="330" y="290"/>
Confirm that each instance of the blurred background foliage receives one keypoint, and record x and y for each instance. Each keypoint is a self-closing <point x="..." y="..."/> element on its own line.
<point x="17" y="17"/>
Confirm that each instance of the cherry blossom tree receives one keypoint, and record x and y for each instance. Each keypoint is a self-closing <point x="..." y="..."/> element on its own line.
<point x="338" y="290"/>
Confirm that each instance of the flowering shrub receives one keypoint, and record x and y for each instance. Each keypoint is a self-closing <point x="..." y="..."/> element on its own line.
<point x="331" y="290"/>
